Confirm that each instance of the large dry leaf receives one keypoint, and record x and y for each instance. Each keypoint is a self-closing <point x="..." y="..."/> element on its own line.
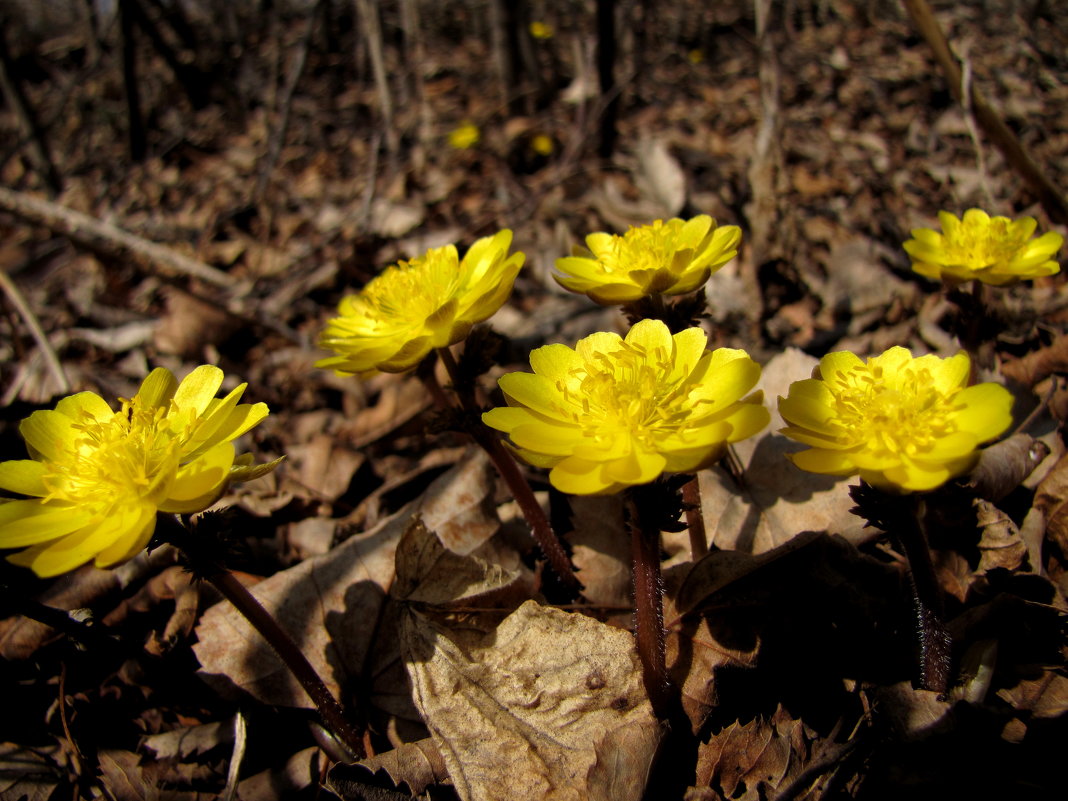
<point x="778" y="500"/>
<point x="333" y="604"/>
<point x="660" y="179"/>
<point x="547" y="705"/>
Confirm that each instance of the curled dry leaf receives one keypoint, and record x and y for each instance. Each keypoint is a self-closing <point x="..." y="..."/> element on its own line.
<point x="1040" y="364"/>
<point x="1000" y="544"/>
<point x="547" y="705"/>
<point x="1004" y="465"/>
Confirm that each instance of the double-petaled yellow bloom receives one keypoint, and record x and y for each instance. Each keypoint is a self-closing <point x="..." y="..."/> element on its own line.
<point x="994" y="250"/>
<point x="413" y="307"/>
<point x="97" y="477"/>
<point x="665" y="258"/>
<point x="615" y="412"/>
<point x="897" y="421"/>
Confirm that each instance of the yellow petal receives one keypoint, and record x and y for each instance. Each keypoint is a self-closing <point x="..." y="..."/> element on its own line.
<point x="157" y="389"/>
<point x="535" y="391"/>
<point x="49" y="433"/>
<point x="816" y="460"/>
<point x="636" y="467"/>
<point x="834" y="365"/>
<point x="84" y="405"/>
<point x="74" y="550"/>
<point x="250" y="472"/>
<point x="650" y="334"/>
<point x="987" y="410"/>
<point x="202" y="478"/>
<point x="133" y="538"/>
<point x="23" y="476"/>
<point x="553" y="439"/>
<point x="30" y="522"/>
<point x="198" y="388"/>
<point x="579" y="477"/>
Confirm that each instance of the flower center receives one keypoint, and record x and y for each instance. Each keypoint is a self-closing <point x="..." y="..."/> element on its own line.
<point x="413" y="290"/>
<point x="629" y="392"/>
<point x="900" y="414"/>
<point x="650" y="247"/>
<point x="981" y="243"/>
<point x="134" y="454"/>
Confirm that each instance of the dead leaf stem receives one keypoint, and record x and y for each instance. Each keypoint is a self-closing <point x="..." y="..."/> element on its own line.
<point x="23" y="308"/>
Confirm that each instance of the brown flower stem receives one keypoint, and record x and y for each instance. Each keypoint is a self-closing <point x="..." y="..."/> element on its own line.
<point x="517" y="483"/>
<point x="289" y="652"/>
<point x="695" y="518"/>
<point x="934" y="641"/>
<point x="198" y="550"/>
<point x="649" y="608"/>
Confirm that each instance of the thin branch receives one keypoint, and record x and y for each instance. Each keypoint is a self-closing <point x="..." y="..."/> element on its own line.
<point x="1006" y="141"/>
<point x="14" y="294"/>
<point x="106" y="239"/>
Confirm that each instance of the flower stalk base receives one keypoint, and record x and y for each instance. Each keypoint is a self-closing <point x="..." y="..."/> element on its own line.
<point x="649" y="609"/>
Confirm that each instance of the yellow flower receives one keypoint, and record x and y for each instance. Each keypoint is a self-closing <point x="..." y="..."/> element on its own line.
<point x="541" y="30"/>
<point x="542" y="144"/>
<point x="696" y="56"/>
<point x="894" y="420"/>
<point x="416" y="306"/>
<point x="98" y="477"/>
<point x="669" y="258"/>
<point x="616" y="412"/>
<point x="465" y="136"/>
<point x="995" y="250"/>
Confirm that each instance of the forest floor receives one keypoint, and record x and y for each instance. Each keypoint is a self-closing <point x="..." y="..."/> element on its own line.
<point x="386" y="544"/>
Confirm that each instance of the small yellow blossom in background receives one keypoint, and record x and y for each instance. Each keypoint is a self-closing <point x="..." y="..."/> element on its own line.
<point x="413" y="307"/>
<point x="98" y="477"/>
<point x="668" y="258"/>
<point x="541" y="30"/>
<point x="696" y="56"/>
<point x="897" y="421"/>
<point x="542" y="144"/>
<point x="995" y="250"/>
<point x="464" y="136"/>
<point x="616" y="412"/>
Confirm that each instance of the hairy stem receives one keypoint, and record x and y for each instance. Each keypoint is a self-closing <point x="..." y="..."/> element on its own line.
<point x="206" y="566"/>
<point x="695" y="518"/>
<point x="934" y="641"/>
<point x="649" y="608"/>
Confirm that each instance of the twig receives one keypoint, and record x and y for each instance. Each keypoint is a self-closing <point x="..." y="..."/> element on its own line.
<point x="23" y="308"/>
<point x="278" y="135"/>
<point x="1048" y="193"/>
<point x="372" y="30"/>
<point x="106" y="239"/>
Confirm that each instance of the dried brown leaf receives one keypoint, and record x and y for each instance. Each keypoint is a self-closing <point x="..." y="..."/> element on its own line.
<point x="1040" y="364"/>
<point x="416" y="765"/>
<point x="749" y="761"/>
<point x="1000" y="544"/>
<point x="601" y="549"/>
<point x="547" y="701"/>
<point x="778" y="500"/>
<point x="189" y="740"/>
<point x="302" y="770"/>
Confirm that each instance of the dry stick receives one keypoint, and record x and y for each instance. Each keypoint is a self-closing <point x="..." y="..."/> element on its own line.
<point x="649" y="608"/>
<point x="106" y="239"/>
<point x="278" y="135"/>
<point x="513" y="477"/>
<point x="18" y="102"/>
<point x="289" y="652"/>
<point x="23" y="308"/>
<point x="372" y="29"/>
<point x="1048" y="194"/>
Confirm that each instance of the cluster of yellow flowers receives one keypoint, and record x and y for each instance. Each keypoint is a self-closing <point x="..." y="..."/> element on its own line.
<point x="609" y="413"/>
